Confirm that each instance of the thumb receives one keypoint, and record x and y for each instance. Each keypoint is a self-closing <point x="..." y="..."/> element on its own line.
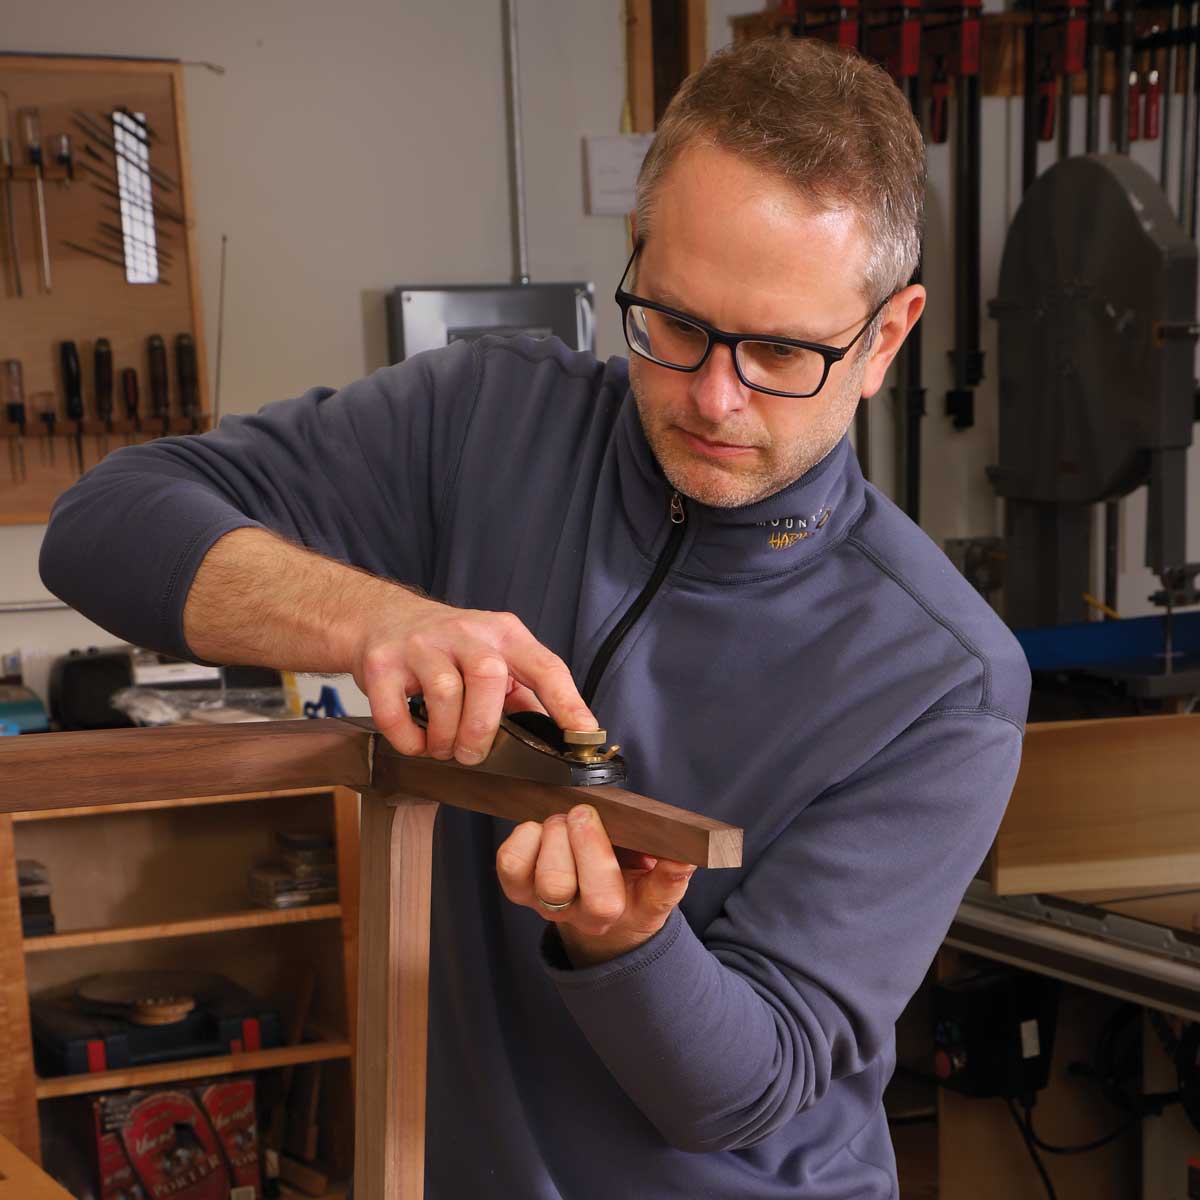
<point x="661" y="889"/>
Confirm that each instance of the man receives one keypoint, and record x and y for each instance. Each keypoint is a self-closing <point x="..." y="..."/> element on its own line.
<point x="683" y="548"/>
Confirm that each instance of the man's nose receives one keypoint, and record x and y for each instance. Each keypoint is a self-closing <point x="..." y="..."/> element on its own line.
<point x="716" y="390"/>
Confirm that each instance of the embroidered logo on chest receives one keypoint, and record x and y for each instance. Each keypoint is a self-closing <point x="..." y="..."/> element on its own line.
<point x="787" y="531"/>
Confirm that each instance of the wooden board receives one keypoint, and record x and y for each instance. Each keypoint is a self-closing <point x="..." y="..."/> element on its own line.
<point x="90" y="298"/>
<point x="696" y="16"/>
<point x="63" y="770"/>
<point x="346" y="809"/>
<point x="191" y="1068"/>
<point x="397" y="871"/>
<point x="1103" y="804"/>
<point x="633" y="821"/>
<point x="217" y="923"/>
<point x="639" y="60"/>
<point x="92" y="810"/>
<point x="18" y="1111"/>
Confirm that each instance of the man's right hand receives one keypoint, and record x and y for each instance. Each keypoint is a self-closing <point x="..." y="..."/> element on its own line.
<point x="259" y="600"/>
<point x="471" y="666"/>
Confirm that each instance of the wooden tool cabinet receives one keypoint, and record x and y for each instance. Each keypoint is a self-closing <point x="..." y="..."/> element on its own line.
<point x="161" y="884"/>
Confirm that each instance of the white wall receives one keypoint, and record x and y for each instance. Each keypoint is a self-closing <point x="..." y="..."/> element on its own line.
<point x="350" y="148"/>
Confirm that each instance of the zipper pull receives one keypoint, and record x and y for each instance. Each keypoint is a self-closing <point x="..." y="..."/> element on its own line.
<point x="678" y="513"/>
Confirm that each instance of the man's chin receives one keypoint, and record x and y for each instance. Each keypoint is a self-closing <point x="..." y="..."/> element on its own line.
<point x="718" y="487"/>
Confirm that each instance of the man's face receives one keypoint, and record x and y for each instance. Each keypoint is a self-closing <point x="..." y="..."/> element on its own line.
<point x="738" y="249"/>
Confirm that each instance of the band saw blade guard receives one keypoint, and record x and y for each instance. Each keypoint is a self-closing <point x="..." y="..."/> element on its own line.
<point x="529" y="745"/>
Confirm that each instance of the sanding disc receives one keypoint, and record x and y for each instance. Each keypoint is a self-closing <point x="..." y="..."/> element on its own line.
<point x="144" y="997"/>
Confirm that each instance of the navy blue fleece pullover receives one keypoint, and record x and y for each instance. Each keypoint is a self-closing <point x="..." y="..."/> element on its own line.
<point x="811" y="668"/>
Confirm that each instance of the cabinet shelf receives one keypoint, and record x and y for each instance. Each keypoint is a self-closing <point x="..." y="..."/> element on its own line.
<point x="95" y="810"/>
<point x="218" y="923"/>
<point x="151" y="884"/>
<point x="191" y="1068"/>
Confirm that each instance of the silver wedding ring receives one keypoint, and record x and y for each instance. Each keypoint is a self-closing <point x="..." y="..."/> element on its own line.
<point x="555" y="907"/>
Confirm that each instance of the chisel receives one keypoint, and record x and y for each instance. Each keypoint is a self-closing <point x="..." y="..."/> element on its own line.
<point x="185" y="370"/>
<point x="156" y="350"/>
<point x="73" y="390"/>
<point x="102" y="375"/>
<point x="14" y="411"/>
<point x="6" y="162"/>
<point x="33" y="146"/>
<point x="129" y="393"/>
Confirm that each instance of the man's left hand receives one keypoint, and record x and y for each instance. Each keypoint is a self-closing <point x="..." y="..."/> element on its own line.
<point x="618" y="899"/>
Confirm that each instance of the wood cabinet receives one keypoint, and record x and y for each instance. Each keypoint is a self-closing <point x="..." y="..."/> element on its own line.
<point x="106" y="771"/>
<point x="161" y="884"/>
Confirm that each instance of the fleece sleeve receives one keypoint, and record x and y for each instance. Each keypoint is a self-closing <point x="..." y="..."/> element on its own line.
<point x="722" y="1035"/>
<point x="357" y="474"/>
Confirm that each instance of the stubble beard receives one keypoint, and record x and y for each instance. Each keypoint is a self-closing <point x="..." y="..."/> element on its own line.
<point x="775" y="466"/>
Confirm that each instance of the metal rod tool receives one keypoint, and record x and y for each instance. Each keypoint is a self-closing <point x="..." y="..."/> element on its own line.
<point x="31" y="128"/>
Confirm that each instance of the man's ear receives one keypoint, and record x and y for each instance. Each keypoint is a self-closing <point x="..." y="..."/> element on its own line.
<point x="903" y="311"/>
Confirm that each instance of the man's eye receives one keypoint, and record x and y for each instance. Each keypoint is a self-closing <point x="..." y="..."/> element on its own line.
<point x="683" y="327"/>
<point x="783" y="353"/>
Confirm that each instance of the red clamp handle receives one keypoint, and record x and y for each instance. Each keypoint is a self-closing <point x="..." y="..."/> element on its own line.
<point x="1153" y="108"/>
<point x="939" y="109"/>
<point x="1047" y="108"/>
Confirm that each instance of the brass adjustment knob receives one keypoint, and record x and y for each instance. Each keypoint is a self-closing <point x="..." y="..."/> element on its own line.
<point x="584" y="737"/>
<point x="585" y="745"/>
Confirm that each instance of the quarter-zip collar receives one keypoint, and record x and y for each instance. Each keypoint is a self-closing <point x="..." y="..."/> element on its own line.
<point x="772" y="536"/>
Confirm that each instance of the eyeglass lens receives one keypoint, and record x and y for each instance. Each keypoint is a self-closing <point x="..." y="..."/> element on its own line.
<point x="678" y="343"/>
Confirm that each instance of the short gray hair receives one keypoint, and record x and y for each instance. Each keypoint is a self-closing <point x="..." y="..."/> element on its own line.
<point x="832" y="124"/>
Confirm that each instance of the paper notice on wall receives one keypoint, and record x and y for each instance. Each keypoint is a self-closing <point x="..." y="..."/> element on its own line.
<point x="613" y="162"/>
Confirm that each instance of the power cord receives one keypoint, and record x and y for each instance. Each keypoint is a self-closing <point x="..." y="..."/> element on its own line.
<point x="1029" y="1140"/>
<point x="1115" y="1063"/>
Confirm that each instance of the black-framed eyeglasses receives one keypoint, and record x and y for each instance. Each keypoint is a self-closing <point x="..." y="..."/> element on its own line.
<point x="777" y="366"/>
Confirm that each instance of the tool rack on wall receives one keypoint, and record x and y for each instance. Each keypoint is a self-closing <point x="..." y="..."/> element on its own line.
<point x="89" y="230"/>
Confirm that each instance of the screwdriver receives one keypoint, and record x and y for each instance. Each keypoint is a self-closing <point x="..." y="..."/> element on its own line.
<point x="102" y="368"/>
<point x="6" y="162"/>
<point x="73" y="389"/>
<point x="14" y="411"/>
<point x="33" y="145"/>
<point x="185" y="369"/>
<point x="156" y="350"/>
<point x="45" y="405"/>
<point x="129" y="393"/>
